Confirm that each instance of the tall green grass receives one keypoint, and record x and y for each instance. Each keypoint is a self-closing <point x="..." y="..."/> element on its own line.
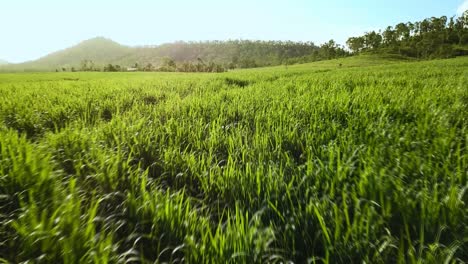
<point x="316" y="163"/>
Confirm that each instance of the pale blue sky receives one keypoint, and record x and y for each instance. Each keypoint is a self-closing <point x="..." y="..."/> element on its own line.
<point x="30" y="29"/>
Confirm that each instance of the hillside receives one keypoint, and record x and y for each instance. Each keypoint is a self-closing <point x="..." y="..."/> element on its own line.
<point x="237" y="53"/>
<point x="434" y="37"/>
<point x="229" y="54"/>
<point x="3" y="62"/>
<point x="99" y="50"/>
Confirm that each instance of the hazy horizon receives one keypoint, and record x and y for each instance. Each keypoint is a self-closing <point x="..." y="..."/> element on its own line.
<point x="39" y="28"/>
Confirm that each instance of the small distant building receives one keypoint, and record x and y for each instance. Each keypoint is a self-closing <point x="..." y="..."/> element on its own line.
<point x="131" y="69"/>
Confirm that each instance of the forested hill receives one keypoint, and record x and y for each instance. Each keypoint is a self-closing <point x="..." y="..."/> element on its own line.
<point x="98" y="50"/>
<point x="104" y="54"/>
<point x="435" y="37"/>
<point x="232" y="53"/>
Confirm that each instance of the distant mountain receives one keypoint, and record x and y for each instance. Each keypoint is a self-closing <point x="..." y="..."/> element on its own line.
<point x="3" y="62"/>
<point x="99" y="50"/>
<point x="232" y="53"/>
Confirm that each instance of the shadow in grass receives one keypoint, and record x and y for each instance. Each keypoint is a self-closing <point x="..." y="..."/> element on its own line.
<point x="153" y="100"/>
<point x="236" y="82"/>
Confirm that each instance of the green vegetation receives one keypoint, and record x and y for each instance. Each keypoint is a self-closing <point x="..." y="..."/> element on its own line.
<point x="428" y="39"/>
<point x="98" y="53"/>
<point x="431" y="38"/>
<point x="341" y="161"/>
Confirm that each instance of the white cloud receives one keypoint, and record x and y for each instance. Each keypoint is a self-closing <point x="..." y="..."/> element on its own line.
<point x="461" y="8"/>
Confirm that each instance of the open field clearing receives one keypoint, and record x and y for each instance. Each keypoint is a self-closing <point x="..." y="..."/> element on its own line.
<point x="311" y="163"/>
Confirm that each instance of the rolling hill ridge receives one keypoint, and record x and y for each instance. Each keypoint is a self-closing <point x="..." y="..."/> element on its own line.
<point x="232" y="53"/>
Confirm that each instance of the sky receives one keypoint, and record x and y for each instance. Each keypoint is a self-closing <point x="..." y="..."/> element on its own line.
<point x="30" y="29"/>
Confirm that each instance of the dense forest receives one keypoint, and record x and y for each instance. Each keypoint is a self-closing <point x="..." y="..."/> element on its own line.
<point x="435" y="37"/>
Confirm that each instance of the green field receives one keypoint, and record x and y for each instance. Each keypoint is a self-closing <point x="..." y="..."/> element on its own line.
<point x="312" y="163"/>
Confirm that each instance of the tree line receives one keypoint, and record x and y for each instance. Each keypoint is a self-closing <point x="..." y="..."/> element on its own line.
<point x="327" y="50"/>
<point x="219" y="56"/>
<point x="435" y="37"/>
<point x="234" y="54"/>
<point x="167" y="65"/>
